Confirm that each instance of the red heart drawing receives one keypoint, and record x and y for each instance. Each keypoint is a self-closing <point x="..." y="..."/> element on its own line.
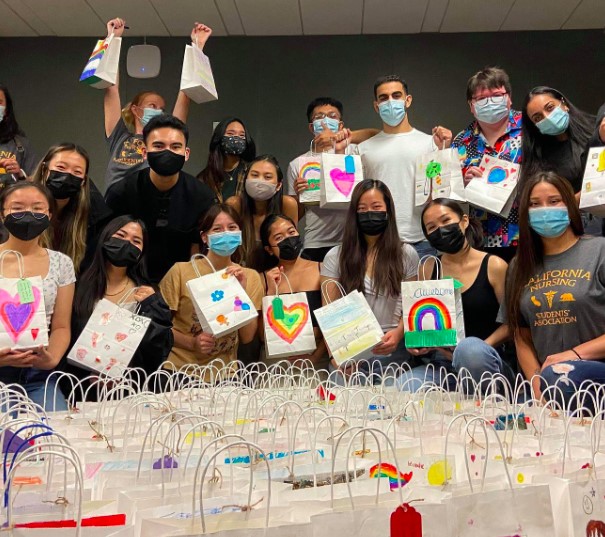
<point x="473" y="457"/>
<point x="34" y="332"/>
<point x="343" y="181"/>
<point x="120" y="337"/>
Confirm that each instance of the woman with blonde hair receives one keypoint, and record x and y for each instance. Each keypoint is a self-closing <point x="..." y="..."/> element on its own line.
<point x="81" y="211"/>
<point x="124" y="126"/>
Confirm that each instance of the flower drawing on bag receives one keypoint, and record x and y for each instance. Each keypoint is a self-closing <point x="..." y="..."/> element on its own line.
<point x="217" y="295"/>
<point x="238" y="305"/>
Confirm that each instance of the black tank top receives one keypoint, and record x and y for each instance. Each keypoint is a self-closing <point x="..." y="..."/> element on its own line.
<point x="480" y="304"/>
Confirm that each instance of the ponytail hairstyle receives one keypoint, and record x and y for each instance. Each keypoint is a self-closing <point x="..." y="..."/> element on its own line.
<point x="474" y="230"/>
<point x="68" y="234"/>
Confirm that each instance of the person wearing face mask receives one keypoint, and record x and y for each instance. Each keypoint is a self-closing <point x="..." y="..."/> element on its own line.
<point x="118" y="270"/>
<point x="220" y="232"/>
<point x="374" y="261"/>
<point x="322" y="227"/>
<point x="283" y="244"/>
<point x="450" y="231"/>
<point x="124" y="126"/>
<point x="81" y="210"/>
<point x="169" y="201"/>
<point x="556" y="136"/>
<point x="555" y="292"/>
<point x="26" y="209"/>
<point x="231" y="149"/>
<point x="262" y="196"/>
<point x="495" y="131"/>
<point x="17" y="159"/>
<point x="391" y="155"/>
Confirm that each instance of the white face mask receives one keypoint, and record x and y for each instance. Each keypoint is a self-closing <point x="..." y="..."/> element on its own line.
<point x="260" y="190"/>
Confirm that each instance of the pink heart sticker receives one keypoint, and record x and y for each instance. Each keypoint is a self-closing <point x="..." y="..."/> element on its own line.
<point x="16" y="316"/>
<point x="343" y="181"/>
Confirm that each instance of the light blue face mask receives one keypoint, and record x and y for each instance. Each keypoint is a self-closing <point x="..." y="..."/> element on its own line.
<point x="332" y="124"/>
<point x="549" y="222"/>
<point x="554" y="123"/>
<point x="490" y="112"/>
<point x="149" y="114"/>
<point x="225" y="243"/>
<point x="2" y="109"/>
<point x="392" y="112"/>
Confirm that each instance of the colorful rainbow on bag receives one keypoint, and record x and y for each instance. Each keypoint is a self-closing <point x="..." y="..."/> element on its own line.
<point x="389" y="471"/>
<point x="432" y="307"/>
<point x="311" y="172"/>
<point x="295" y="318"/>
<point x="93" y="62"/>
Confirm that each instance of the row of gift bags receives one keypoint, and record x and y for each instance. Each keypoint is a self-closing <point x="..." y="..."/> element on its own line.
<point x="197" y="81"/>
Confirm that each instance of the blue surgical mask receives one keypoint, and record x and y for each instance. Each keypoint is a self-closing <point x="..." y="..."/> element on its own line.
<point x="149" y="114"/>
<point x="491" y="113"/>
<point x="392" y="112"/>
<point x="549" y="222"/>
<point x="225" y="243"/>
<point x="554" y="123"/>
<point x="2" y="109"/>
<point x="332" y="124"/>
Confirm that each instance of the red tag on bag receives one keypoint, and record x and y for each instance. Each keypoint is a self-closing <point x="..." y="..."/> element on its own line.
<point x="93" y="521"/>
<point x="406" y="522"/>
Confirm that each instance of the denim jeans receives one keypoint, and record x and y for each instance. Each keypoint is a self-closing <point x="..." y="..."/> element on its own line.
<point x="568" y="376"/>
<point x="471" y="354"/>
<point x="35" y="391"/>
<point x="424" y="248"/>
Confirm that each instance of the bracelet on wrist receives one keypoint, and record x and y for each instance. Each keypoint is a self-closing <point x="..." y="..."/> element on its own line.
<point x="576" y="353"/>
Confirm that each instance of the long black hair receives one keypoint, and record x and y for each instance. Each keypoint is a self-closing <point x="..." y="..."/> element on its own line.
<point x="9" y="128"/>
<point x="388" y="264"/>
<point x="580" y="130"/>
<point x="214" y="173"/>
<point x="93" y="284"/>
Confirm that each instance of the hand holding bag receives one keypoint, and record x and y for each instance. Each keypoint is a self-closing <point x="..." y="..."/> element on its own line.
<point x="197" y="80"/>
<point x="101" y="70"/>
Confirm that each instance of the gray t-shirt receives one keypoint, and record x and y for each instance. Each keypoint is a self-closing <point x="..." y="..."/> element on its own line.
<point x="125" y="154"/>
<point x="387" y="308"/>
<point x="564" y="303"/>
<point x="323" y="227"/>
<point x="18" y="148"/>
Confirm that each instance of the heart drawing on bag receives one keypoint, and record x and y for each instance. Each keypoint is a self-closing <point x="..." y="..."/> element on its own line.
<point x="295" y="318"/>
<point x="15" y="316"/>
<point x="343" y="181"/>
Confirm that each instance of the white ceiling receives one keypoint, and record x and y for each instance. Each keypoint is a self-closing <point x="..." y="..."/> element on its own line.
<point x="30" y="18"/>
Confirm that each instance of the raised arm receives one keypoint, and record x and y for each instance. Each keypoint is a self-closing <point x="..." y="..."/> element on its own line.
<point x="112" y="105"/>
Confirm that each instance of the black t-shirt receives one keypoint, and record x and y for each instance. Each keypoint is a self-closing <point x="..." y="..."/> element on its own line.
<point x="171" y="217"/>
<point x="557" y="156"/>
<point x="232" y="180"/>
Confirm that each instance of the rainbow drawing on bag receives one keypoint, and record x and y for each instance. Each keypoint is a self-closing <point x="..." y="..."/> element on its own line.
<point x="93" y="62"/>
<point x="311" y="172"/>
<point x="294" y="320"/>
<point x="429" y="307"/>
<point x="389" y="471"/>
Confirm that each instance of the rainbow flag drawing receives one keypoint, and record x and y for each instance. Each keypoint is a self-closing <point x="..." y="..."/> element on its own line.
<point x="390" y="471"/>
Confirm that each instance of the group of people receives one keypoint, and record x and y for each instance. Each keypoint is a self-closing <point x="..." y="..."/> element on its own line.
<point x="533" y="280"/>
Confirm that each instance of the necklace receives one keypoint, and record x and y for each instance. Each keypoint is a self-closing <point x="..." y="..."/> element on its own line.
<point x="124" y="289"/>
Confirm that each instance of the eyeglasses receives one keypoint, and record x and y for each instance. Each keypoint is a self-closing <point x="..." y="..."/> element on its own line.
<point x="331" y="115"/>
<point x="17" y="214"/>
<point x="494" y="99"/>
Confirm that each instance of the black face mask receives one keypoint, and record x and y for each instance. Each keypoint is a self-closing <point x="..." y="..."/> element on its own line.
<point x="63" y="185"/>
<point x="25" y="226"/>
<point x="290" y="247"/>
<point x="121" y="253"/>
<point x="372" y="223"/>
<point x="165" y="162"/>
<point x="448" y="239"/>
<point x="233" y="145"/>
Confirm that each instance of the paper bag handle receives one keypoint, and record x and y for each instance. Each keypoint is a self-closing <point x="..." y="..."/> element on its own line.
<point x="324" y="293"/>
<point x="282" y="275"/>
<point x="422" y="263"/>
<point x="20" y="263"/>
<point x="197" y="271"/>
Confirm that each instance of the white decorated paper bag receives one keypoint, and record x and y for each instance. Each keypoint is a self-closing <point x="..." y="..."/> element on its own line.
<point x="495" y="190"/>
<point x="110" y="338"/>
<point x="349" y="327"/>
<point x="439" y="175"/>
<point x="310" y="169"/>
<point x="22" y="311"/>
<point x="197" y="80"/>
<point x="221" y="303"/>
<point x="592" y="197"/>
<point x="101" y="70"/>
<point x="288" y="326"/>
<point x="339" y="175"/>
